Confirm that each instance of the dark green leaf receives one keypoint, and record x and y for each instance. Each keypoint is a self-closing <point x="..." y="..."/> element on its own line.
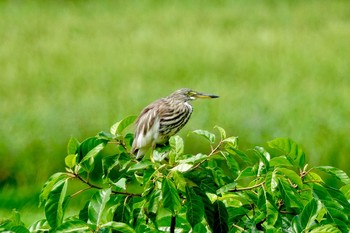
<point x="54" y="206"/>
<point x="290" y="148"/>
<point x="171" y="199"/>
<point x="271" y="213"/>
<point x="206" y="134"/>
<point x="88" y="145"/>
<point x="195" y="207"/>
<point x="119" y="127"/>
<point x="72" y="146"/>
<point x="97" y="206"/>
<point x="73" y="226"/>
<point x="341" y="175"/>
<point x="289" y="194"/>
<point x="220" y="217"/>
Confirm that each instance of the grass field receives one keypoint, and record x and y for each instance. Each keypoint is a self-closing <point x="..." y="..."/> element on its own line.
<point x="73" y="68"/>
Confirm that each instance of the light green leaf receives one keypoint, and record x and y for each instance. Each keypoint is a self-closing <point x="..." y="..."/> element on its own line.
<point x="206" y="134"/>
<point x="220" y="217"/>
<point x="309" y="213"/>
<point x="72" y="146"/>
<point x="177" y="145"/>
<point x="121" y="183"/>
<point x="118" y="226"/>
<point x="195" y="207"/>
<point x="70" y="160"/>
<point x="341" y="175"/>
<point x="226" y="188"/>
<point x="54" y="206"/>
<point x="118" y="127"/>
<point x="221" y="131"/>
<point x="193" y="159"/>
<point x="50" y="183"/>
<point x="39" y="226"/>
<point x="97" y="206"/>
<point x="171" y="199"/>
<point x="292" y="175"/>
<point x="141" y="165"/>
<point x="346" y="191"/>
<point x="88" y="145"/>
<point x="288" y="193"/>
<point x="271" y="213"/>
<point x="183" y="167"/>
<point x="73" y="226"/>
<point x="290" y="148"/>
<point x="328" y="228"/>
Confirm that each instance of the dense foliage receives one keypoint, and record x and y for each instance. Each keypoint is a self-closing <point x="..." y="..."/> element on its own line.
<point x="225" y="190"/>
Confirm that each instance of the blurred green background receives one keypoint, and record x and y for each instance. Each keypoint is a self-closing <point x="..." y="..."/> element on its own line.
<point x="73" y="68"/>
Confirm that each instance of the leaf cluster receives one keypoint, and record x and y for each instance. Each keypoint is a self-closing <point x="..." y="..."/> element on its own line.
<point x="224" y="190"/>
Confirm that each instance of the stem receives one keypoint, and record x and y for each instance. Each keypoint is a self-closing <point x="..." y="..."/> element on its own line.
<point x="172" y="224"/>
<point x="247" y="188"/>
<point x="213" y="151"/>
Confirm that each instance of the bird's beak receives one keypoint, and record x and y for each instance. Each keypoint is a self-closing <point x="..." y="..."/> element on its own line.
<point x="205" y="96"/>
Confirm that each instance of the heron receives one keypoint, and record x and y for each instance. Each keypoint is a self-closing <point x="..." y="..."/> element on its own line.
<point x="164" y="118"/>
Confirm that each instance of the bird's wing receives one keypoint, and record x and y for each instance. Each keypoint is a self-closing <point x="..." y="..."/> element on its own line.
<point x="147" y="125"/>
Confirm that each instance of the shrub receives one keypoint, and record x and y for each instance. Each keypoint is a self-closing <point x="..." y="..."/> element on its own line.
<point x="226" y="190"/>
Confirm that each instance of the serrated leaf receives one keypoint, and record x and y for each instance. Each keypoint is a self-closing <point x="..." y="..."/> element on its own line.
<point x="97" y="206"/>
<point x="221" y="131"/>
<point x="206" y="134"/>
<point x="171" y="199"/>
<point x="54" y="206"/>
<point x="341" y="175"/>
<point x="118" y="226"/>
<point x="70" y="160"/>
<point x="183" y="167"/>
<point x="290" y="148"/>
<point x="118" y="127"/>
<point x="73" y="226"/>
<point x="72" y="146"/>
<point x="50" y="183"/>
<point x="220" y="217"/>
<point x="195" y="207"/>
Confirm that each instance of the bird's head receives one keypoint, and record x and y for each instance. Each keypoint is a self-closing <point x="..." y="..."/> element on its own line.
<point x="186" y="94"/>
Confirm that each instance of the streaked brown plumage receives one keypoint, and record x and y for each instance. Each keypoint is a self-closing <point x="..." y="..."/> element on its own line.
<point x="163" y="118"/>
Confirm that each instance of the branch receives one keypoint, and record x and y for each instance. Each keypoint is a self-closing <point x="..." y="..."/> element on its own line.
<point x="173" y="224"/>
<point x="213" y="151"/>
<point x="98" y="187"/>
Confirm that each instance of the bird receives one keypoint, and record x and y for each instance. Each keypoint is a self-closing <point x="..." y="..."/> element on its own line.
<point x="163" y="118"/>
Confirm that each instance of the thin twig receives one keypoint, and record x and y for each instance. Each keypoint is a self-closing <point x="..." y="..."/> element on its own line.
<point x="247" y="188"/>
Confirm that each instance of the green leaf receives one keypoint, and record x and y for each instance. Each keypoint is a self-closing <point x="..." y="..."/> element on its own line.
<point x="177" y="145"/>
<point x="70" y="160"/>
<point x="72" y="146"/>
<point x="341" y="175"/>
<point x="288" y="193"/>
<point x="206" y="134"/>
<point x="271" y="213"/>
<point x="140" y="166"/>
<point x="195" y="207"/>
<point x="290" y="148"/>
<point x="309" y="214"/>
<point x="226" y="188"/>
<point x="220" y="217"/>
<point x="118" y="127"/>
<point x="221" y="131"/>
<point x="292" y="175"/>
<point x="97" y="206"/>
<point x="183" y="167"/>
<point x="39" y="226"/>
<point x="328" y="228"/>
<point x="73" y="226"/>
<point x="171" y="199"/>
<point x="88" y="145"/>
<point x="118" y="226"/>
<point x="49" y="184"/>
<point x="93" y="152"/>
<point x="54" y="206"/>
<point x="346" y="191"/>
<point x="209" y="211"/>
<point x="263" y="155"/>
